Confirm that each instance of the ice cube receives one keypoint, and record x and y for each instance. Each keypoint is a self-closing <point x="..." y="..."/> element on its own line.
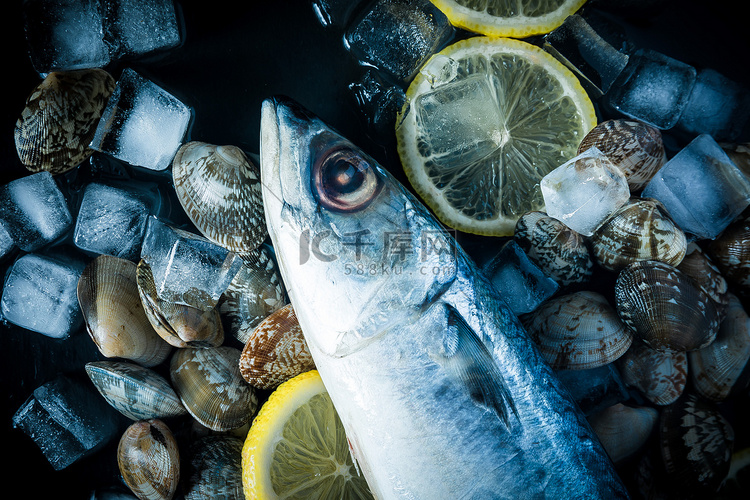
<point x="584" y="191"/>
<point x="397" y="36"/>
<point x="653" y="88"/>
<point x="596" y="388"/>
<point x="112" y="218"/>
<point x="6" y="242"/>
<point x="39" y="294"/>
<point x="332" y="13"/>
<point x="701" y="188"/>
<point x="717" y="106"/>
<point x="520" y="282"/>
<point x="139" y="27"/>
<point x="143" y="124"/>
<point x="34" y="211"/>
<point x="379" y="101"/>
<point x="187" y="268"/>
<point x="68" y="420"/>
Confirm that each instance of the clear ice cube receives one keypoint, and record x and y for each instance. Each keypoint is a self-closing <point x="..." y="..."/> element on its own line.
<point x="334" y="12"/>
<point x="143" y="124"/>
<point x="187" y="268"/>
<point x="584" y="191"/>
<point x="139" y="27"/>
<point x="40" y="294"/>
<point x="34" y="211"/>
<point x="701" y="188"/>
<point x="653" y="88"/>
<point x="379" y="101"/>
<point x="6" y="242"/>
<point x="596" y="388"/>
<point x="520" y="282"/>
<point x="397" y="36"/>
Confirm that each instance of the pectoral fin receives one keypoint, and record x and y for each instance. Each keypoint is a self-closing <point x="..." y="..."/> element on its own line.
<point x="471" y="365"/>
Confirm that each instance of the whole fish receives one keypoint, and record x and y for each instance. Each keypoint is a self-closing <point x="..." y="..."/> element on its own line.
<point x="441" y="392"/>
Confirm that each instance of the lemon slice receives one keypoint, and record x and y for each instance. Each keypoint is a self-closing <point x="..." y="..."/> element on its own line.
<point x="484" y="120"/>
<point x="296" y="447"/>
<point x="511" y="18"/>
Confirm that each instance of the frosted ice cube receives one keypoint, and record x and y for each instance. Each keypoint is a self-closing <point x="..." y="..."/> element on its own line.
<point x="187" y="268"/>
<point x="520" y="282"/>
<point x="143" y="124"/>
<point x="6" y="242"/>
<point x="701" y="188"/>
<point x="143" y="26"/>
<point x="397" y="36"/>
<point x="460" y="120"/>
<point x="717" y="106"/>
<point x="34" y="211"/>
<point x="112" y="218"/>
<point x="583" y="192"/>
<point x="68" y="420"/>
<point x="653" y="88"/>
<point x="40" y="294"/>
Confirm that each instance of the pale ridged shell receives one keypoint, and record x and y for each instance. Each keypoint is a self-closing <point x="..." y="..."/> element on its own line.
<point x="179" y="325"/>
<point x="664" y="307"/>
<point x="578" y="331"/>
<point x="639" y="230"/>
<point x="739" y="154"/>
<point x="706" y="274"/>
<point x="255" y="292"/>
<point x="149" y="460"/>
<point x="636" y="148"/>
<point x="211" y="387"/>
<point x="731" y="253"/>
<point x="716" y="369"/>
<point x="623" y="430"/>
<point x="275" y="351"/>
<point x="660" y="376"/>
<point x="114" y="317"/>
<point x="560" y="252"/>
<point x="60" y="118"/>
<point x="135" y="391"/>
<point x="220" y="190"/>
<point x="216" y="468"/>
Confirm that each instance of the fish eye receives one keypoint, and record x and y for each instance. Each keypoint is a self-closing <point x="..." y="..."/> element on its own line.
<point x="344" y="181"/>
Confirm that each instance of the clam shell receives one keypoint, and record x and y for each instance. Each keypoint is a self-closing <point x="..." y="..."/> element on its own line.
<point x="715" y="369"/>
<point x="699" y="266"/>
<point x="137" y="392"/>
<point x="211" y="387"/>
<point x="220" y="190"/>
<point x="578" y="331"/>
<point x="636" y="148"/>
<point x="559" y="251"/>
<point x="623" y="430"/>
<point x="664" y="307"/>
<point x="660" y="376"/>
<point x="640" y="230"/>
<point x="215" y="468"/>
<point x="275" y="351"/>
<point x="149" y="460"/>
<point x="179" y="325"/>
<point x="113" y="314"/>
<point x="60" y="118"/>
<point x="739" y="153"/>
<point x="731" y="254"/>
<point x="255" y="292"/>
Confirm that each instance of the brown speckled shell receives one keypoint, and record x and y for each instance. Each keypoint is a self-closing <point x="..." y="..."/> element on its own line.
<point x="623" y="430"/>
<point x="215" y="468"/>
<point x="276" y="351"/>
<point x="730" y="251"/>
<point x="640" y="230"/>
<point x="578" y="331"/>
<point x="660" y="376"/>
<point x="634" y="147"/>
<point x="149" y="460"/>
<point x="60" y="118"/>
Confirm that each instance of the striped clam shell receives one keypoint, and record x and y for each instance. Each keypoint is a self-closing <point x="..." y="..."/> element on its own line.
<point x="113" y="314"/>
<point x="664" y="307"/>
<point x="578" y="331"/>
<point x="639" y="230"/>
<point x="276" y="351"/>
<point x="559" y="251"/>
<point x="215" y="468"/>
<point x="636" y="148"/>
<point x="60" y="118"/>
<point x="699" y="266"/>
<point x="730" y="251"/>
<point x="623" y="430"/>
<point x="660" y="376"/>
<point x="220" y="190"/>
<point x="137" y="392"/>
<point x="149" y="460"/>
<point x="210" y="386"/>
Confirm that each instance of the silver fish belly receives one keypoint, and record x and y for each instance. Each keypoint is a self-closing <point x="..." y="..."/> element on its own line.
<point x="441" y="392"/>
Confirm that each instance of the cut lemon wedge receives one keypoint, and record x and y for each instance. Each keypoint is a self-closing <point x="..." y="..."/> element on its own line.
<point x="510" y="18"/>
<point x="296" y="447"/>
<point x="484" y="120"/>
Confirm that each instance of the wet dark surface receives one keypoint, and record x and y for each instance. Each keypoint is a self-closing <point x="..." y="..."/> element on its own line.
<point x="233" y="57"/>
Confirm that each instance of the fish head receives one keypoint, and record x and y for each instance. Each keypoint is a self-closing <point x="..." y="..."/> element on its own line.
<point x="357" y="252"/>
